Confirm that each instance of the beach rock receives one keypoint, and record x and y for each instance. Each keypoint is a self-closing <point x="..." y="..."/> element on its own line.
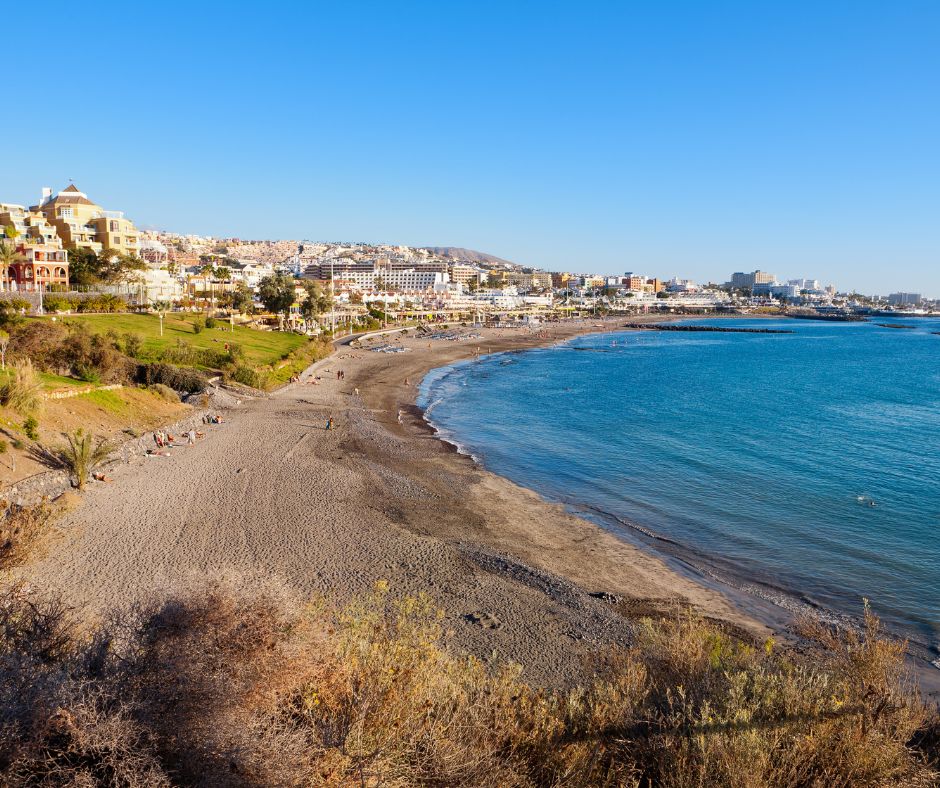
<point x="605" y="596"/>
<point x="485" y="620"/>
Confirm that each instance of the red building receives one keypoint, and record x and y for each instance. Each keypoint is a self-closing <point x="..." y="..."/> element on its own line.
<point x="38" y="266"/>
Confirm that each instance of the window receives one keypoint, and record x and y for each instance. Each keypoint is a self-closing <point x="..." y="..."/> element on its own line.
<point x="65" y="212"/>
<point x="117" y="240"/>
<point x="114" y="227"/>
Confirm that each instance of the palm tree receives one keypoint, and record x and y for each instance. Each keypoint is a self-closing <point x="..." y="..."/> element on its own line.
<point x="207" y="271"/>
<point x="82" y="454"/>
<point x="7" y="258"/>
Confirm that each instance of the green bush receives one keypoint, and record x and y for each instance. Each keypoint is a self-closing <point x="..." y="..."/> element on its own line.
<point x="58" y="303"/>
<point x="198" y="324"/>
<point x="183" y="379"/>
<point x="31" y="428"/>
<point x="184" y="354"/>
<point x="87" y="373"/>
<point x="249" y="376"/>
<point x="132" y="344"/>
<point x="104" y="302"/>
<point x="90" y="357"/>
<point x="211" y="322"/>
<point x="15" y="304"/>
<point x="3" y="446"/>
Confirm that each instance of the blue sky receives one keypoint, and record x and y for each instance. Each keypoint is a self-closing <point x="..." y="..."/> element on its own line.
<point x="667" y="138"/>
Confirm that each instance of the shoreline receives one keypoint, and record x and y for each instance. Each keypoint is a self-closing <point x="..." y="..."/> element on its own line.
<point x="270" y="495"/>
<point x="770" y="606"/>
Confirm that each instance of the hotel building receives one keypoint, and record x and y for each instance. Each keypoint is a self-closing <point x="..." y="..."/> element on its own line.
<point x="82" y="224"/>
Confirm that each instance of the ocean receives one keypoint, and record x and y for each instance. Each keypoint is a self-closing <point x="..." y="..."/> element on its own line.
<point x="805" y="465"/>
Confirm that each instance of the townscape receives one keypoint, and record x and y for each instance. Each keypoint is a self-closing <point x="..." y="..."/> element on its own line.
<point x="67" y="249"/>
<point x="470" y="395"/>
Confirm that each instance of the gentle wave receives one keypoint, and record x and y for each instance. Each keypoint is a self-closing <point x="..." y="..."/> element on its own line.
<point x="797" y="463"/>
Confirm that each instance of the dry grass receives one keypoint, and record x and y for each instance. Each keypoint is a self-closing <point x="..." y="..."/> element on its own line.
<point x="22" y="389"/>
<point x="228" y="688"/>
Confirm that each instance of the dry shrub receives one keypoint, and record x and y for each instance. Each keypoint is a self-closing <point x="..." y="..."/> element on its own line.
<point x="165" y="392"/>
<point x="223" y="687"/>
<point x="62" y="720"/>
<point x="21" y="530"/>
<point x="724" y="712"/>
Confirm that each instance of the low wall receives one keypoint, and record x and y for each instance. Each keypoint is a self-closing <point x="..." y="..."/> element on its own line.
<point x="77" y="392"/>
<point x="52" y="483"/>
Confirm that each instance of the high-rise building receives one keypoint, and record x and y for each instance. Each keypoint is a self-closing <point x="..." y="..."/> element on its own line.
<point x="744" y="281"/>
<point x="905" y="299"/>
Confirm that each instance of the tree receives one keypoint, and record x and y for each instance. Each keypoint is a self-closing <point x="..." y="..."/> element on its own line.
<point x="11" y="232"/>
<point x="81" y="455"/>
<point x="125" y="266"/>
<point x="277" y="293"/>
<point x="7" y="258"/>
<point x="242" y="300"/>
<point x="83" y="267"/>
<point x="316" y="301"/>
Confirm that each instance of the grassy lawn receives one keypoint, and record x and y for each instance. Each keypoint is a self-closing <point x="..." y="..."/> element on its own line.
<point x="51" y="382"/>
<point x="261" y="347"/>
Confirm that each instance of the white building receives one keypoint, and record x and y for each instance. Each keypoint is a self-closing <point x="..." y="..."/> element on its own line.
<point x="775" y="290"/>
<point x="251" y="273"/>
<point x="158" y="284"/>
<point x="812" y="285"/>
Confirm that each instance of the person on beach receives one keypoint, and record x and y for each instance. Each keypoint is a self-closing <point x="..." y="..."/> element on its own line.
<point x="399" y="417"/>
<point x="329" y="423"/>
<point x="191" y="437"/>
<point x="356" y="391"/>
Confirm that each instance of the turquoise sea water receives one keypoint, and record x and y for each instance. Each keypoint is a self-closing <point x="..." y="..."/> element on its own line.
<point x="759" y="454"/>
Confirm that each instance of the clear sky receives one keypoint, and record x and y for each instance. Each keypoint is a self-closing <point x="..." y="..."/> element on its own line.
<point x="689" y="138"/>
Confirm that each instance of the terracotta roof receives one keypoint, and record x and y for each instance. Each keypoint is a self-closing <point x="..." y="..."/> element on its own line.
<point x="71" y="188"/>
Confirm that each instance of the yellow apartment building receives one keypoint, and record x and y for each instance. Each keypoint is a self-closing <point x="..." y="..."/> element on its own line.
<point x="83" y="224"/>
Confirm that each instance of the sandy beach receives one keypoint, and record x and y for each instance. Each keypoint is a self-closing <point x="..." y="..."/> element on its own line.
<point x="270" y="493"/>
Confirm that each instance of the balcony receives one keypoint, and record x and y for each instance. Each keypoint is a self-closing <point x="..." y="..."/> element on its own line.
<point x="109" y="215"/>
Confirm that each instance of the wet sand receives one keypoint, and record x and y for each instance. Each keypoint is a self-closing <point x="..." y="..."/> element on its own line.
<point x="272" y="494"/>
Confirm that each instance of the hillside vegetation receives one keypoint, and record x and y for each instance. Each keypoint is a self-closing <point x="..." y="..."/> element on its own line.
<point x="57" y="369"/>
<point x="258" y="347"/>
<point x="224" y="687"/>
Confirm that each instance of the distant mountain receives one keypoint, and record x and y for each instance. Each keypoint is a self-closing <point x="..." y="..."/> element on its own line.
<point x="469" y="255"/>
